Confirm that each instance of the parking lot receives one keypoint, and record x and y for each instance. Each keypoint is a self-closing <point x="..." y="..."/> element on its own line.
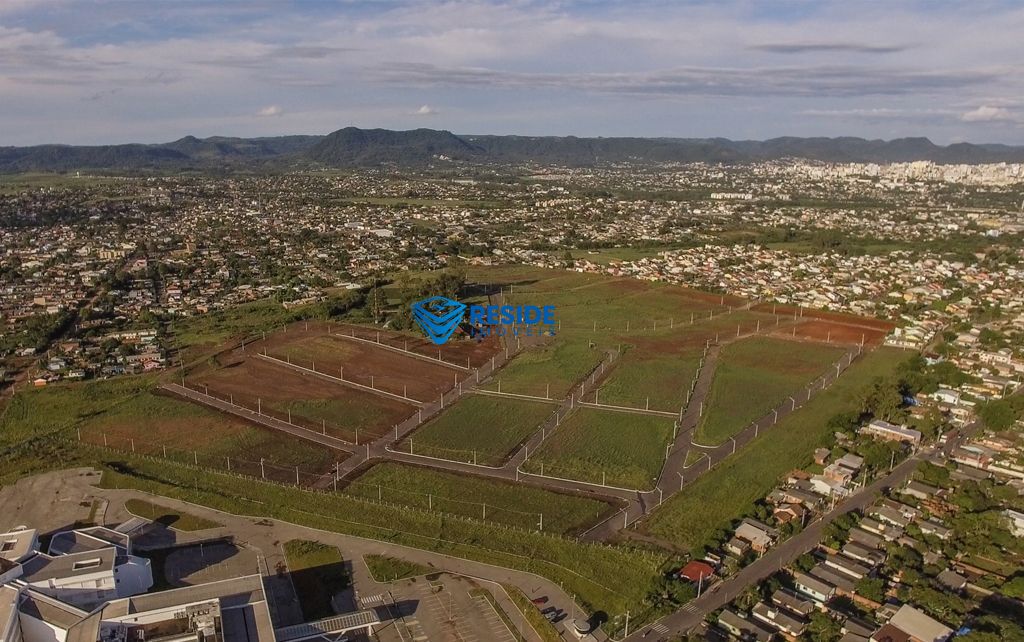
<point x="441" y="608"/>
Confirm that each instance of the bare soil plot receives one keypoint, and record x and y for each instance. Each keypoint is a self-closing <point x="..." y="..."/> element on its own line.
<point x="313" y="402"/>
<point x="834" y="332"/>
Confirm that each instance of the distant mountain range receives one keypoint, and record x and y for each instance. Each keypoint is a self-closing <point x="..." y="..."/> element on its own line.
<point x="353" y="147"/>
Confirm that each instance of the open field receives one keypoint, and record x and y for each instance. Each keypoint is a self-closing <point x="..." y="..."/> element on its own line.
<point x="599" y="446"/>
<point x="318" y="573"/>
<point x="479" y="429"/>
<point x="755" y="375"/>
<point x="507" y="503"/>
<point x="314" y="403"/>
<point x="126" y="413"/>
<point x="690" y="518"/>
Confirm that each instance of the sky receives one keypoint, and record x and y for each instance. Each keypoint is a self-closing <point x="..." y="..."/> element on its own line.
<point x="114" y="71"/>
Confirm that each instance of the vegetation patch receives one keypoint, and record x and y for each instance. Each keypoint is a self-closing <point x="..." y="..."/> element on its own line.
<point x="755" y="375"/>
<point x="479" y="429"/>
<point x="384" y="568"/>
<point x="692" y="518"/>
<point x="601" y="446"/>
<point x="491" y="500"/>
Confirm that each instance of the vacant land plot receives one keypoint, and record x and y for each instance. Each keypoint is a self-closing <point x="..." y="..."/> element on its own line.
<point x="367" y="365"/>
<point x="600" y="446"/>
<point x="690" y="518"/>
<point x="552" y="369"/>
<point x="755" y="375"/>
<point x="313" y="402"/>
<point x="810" y="313"/>
<point x="127" y="414"/>
<point x="479" y="429"/>
<point x="658" y="382"/>
<point x="835" y="332"/>
<point x="506" y="503"/>
<point x="318" y="573"/>
<point x="458" y="350"/>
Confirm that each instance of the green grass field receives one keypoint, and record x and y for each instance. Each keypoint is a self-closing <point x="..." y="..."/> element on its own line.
<point x="318" y="573"/>
<point x="479" y="429"/>
<point x="690" y="518"/>
<point x="507" y="503"/>
<point x="596" y="446"/>
<point x="755" y="375"/>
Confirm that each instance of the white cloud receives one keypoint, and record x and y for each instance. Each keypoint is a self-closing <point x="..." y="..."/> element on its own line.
<point x="989" y="114"/>
<point x="270" y="110"/>
<point x="425" y="110"/>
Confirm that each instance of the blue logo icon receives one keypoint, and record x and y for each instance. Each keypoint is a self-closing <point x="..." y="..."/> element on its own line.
<point x="438" y="316"/>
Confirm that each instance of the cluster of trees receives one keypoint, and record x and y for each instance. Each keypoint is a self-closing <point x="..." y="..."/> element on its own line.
<point x="448" y="283"/>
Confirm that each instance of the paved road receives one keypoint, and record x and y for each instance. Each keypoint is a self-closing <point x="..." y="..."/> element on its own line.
<point x="777" y="558"/>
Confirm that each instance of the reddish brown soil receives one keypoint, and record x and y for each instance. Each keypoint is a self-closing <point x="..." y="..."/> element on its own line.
<point x="842" y="333"/>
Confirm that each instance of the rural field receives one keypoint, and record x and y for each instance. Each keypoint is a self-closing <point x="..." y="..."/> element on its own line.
<point x="755" y="375"/>
<point x="618" y="449"/>
<point x="690" y="518"/>
<point x="478" y="428"/>
<point x="507" y="503"/>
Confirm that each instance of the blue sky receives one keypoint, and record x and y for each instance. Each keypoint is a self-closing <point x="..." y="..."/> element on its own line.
<point x="92" y="71"/>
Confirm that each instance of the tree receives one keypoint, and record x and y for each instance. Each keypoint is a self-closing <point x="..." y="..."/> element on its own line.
<point x="872" y="588"/>
<point x="823" y="628"/>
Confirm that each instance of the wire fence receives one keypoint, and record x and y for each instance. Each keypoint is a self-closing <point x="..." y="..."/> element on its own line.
<point x="319" y="478"/>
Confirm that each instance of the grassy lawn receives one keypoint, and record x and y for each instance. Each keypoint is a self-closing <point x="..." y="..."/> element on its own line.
<point x="385" y="568"/>
<point x="168" y="516"/>
<point x="318" y="573"/>
<point x="479" y="427"/>
<point x="755" y="375"/>
<point x="627" y="449"/>
<point x="507" y="503"/>
<point x="606" y="578"/>
<point x="690" y="518"/>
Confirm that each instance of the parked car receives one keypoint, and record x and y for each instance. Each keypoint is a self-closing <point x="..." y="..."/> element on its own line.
<point x="543" y="599"/>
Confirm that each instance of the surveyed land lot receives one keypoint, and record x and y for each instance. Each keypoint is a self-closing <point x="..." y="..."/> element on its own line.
<point x="479" y="428"/>
<point x="755" y="375"/>
<point x="130" y="415"/>
<point x="690" y="518"/>
<point x="344" y="381"/>
<point x="603" y="447"/>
